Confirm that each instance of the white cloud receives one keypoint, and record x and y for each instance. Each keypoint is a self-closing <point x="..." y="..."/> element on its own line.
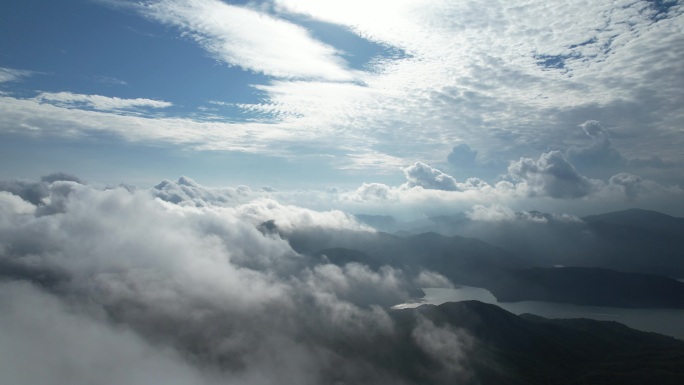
<point x="10" y="203"/>
<point x="43" y="118"/>
<point x="98" y="102"/>
<point x="423" y="175"/>
<point x="94" y="273"/>
<point x="628" y="183"/>
<point x="187" y="192"/>
<point x="251" y="39"/>
<point x="506" y="75"/>
<point x="449" y="345"/>
<point x="633" y="187"/>
<point x="462" y="156"/>
<point x="255" y="207"/>
<point x="500" y="213"/>
<point x="493" y="213"/>
<point x="372" y="192"/>
<point x="102" y="271"/>
<point x="109" y="80"/>
<point x="551" y="175"/>
<point x="549" y="183"/>
<point x="431" y="279"/>
<point x="42" y="341"/>
<point x="600" y="152"/>
<point x="289" y="217"/>
<point x="508" y="78"/>
<point x="13" y="75"/>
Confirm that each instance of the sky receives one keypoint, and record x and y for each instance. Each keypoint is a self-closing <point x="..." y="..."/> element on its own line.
<point x="406" y="107"/>
<point x="146" y="145"/>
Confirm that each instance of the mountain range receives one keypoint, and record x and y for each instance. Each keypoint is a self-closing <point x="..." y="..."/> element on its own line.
<point x="630" y="258"/>
<point x="471" y="342"/>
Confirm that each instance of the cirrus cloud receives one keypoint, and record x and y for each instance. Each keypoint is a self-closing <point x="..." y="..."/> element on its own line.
<point x="250" y="39"/>
<point x="98" y="102"/>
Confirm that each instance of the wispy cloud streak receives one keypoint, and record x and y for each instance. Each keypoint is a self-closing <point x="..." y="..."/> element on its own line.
<point x="252" y="40"/>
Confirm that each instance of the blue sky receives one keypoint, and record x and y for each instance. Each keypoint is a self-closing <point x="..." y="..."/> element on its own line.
<point x="556" y="105"/>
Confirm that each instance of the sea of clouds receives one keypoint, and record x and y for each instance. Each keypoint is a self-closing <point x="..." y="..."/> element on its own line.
<point x="181" y="284"/>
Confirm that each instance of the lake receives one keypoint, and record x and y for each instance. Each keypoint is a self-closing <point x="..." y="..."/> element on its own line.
<point x="664" y="321"/>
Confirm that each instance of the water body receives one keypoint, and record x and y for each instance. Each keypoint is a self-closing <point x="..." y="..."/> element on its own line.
<point x="664" y="321"/>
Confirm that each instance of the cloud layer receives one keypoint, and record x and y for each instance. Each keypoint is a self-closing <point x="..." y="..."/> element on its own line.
<point x="119" y="286"/>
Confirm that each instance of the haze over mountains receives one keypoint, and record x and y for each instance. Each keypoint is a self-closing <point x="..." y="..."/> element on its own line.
<point x="631" y="240"/>
<point x="629" y="259"/>
<point x="189" y="285"/>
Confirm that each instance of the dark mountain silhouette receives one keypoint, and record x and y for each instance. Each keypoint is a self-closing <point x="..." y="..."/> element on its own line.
<point x="632" y="240"/>
<point x="463" y="260"/>
<point x="591" y="286"/>
<point x="651" y="221"/>
<point x="512" y="349"/>
<point x="620" y="259"/>
<point x="483" y="344"/>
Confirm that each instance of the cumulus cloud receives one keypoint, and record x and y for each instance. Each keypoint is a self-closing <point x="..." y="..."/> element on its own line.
<point x="35" y="192"/>
<point x="633" y="187"/>
<point x="255" y="207"/>
<point x="288" y="217"/>
<point x="630" y="184"/>
<point x="530" y="184"/>
<point x="156" y="291"/>
<point x="551" y="175"/>
<point x="602" y="153"/>
<point x="462" y="156"/>
<point x="186" y="191"/>
<point x="423" y="175"/>
<point x="599" y="152"/>
<point x="372" y="192"/>
<point x="14" y="204"/>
